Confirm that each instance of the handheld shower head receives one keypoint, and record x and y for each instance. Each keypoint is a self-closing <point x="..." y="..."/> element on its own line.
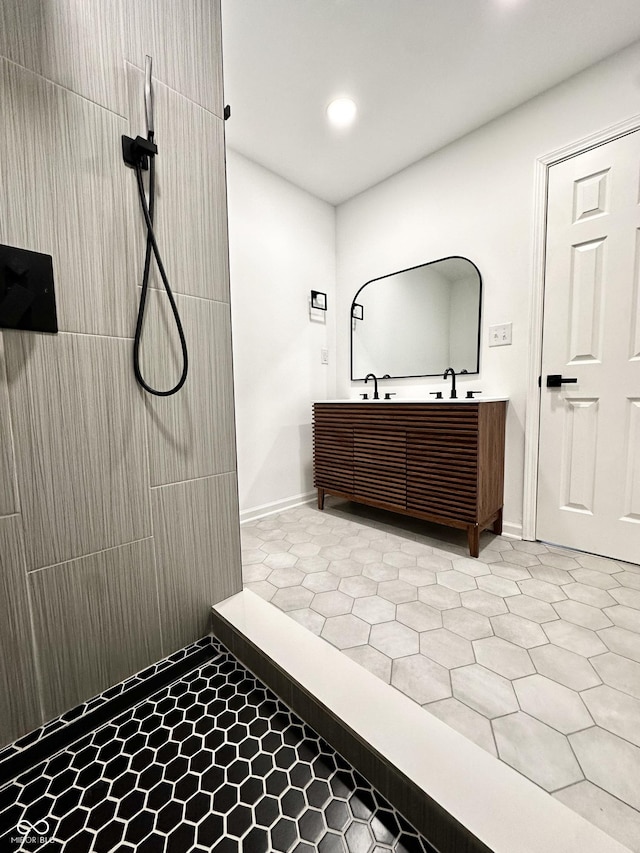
<point x="148" y="96"/>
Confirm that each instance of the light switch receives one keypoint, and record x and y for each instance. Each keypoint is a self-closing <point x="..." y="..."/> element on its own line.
<point x="500" y="335"/>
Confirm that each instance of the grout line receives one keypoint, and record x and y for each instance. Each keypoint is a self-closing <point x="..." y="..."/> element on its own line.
<point x="175" y="91"/>
<point x="66" y="88"/>
<point x="4" y="376"/>
<point x="84" y="556"/>
<point x="35" y="652"/>
<point x="153" y="538"/>
<point x="95" y="335"/>
<point x="194" y="480"/>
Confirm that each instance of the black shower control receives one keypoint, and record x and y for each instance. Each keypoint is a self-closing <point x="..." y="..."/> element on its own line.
<point x="137" y="151"/>
<point x="227" y="112"/>
<point x="27" y="296"/>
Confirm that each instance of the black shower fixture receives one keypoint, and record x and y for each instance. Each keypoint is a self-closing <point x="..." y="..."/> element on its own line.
<point x="140" y="154"/>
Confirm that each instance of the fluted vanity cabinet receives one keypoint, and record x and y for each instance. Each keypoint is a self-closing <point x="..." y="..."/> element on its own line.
<point x="442" y="462"/>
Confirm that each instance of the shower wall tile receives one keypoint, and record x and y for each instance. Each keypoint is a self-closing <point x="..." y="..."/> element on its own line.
<point x="8" y="498"/>
<point x="185" y="44"/>
<point x="81" y="452"/>
<point x="96" y="623"/>
<point x="191" y="434"/>
<point x="191" y="208"/>
<point x="19" y="704"/>
<point x="75" y="44"/>
<point x="69" y="195"/>
<point x="197" y="544"/>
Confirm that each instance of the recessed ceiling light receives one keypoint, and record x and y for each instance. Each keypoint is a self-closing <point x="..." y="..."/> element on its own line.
<point x="341" y="112"/>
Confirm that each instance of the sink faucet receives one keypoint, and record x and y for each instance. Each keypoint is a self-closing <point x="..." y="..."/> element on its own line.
<point x="375" y="386"/>
<point x="454" y="393"/>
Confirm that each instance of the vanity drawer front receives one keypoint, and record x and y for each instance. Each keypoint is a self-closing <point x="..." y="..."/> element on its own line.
<point x="380" y="484"/>
<point x="333" y="458"/>
<point x="380" y="465"/>
<point x="442" y="474"/>
<point x="447" y="503"/>
<point x="380" y="449"/>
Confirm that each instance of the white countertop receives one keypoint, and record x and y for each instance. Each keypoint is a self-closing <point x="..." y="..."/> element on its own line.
<point x="479" y="399"/>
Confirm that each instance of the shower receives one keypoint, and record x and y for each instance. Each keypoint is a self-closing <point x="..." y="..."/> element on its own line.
<point x="139" y="154"/>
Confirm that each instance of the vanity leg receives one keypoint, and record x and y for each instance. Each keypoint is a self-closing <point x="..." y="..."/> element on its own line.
<point x="320" y="498"/>
<point x="497" y="524"/>
<point x="473" y="538"/>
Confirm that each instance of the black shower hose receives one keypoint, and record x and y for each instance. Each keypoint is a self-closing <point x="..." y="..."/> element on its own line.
<point x="152" y="246"/>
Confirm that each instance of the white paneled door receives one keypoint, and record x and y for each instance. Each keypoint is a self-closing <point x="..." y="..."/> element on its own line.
<point x="589" y="454"/>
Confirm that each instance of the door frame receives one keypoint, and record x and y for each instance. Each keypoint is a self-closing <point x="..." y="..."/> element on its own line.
<point x="536" y="306"/>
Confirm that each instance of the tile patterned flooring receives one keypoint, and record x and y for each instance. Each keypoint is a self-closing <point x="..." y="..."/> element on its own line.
<point x="531" y="651"/>
<point x="212" y="762"/>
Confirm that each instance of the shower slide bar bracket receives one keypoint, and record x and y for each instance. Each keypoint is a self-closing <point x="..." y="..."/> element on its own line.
<point x="136" y="152"/>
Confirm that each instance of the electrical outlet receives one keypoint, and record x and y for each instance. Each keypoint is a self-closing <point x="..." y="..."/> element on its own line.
<point x="324" y="356"/>
<point x="500" y="335"/>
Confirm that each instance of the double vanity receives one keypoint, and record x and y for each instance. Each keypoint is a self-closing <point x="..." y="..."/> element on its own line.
<point x="442" y="461"/>
<point x="439" y="460"/>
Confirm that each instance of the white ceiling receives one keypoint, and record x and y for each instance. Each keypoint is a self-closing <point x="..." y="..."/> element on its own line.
<point x="423" y="73"/>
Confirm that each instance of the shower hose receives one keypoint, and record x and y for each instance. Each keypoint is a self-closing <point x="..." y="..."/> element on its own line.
<point x="152" y="246"/>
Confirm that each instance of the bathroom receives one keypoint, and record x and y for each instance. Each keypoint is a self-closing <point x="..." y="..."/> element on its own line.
<point x="97" y="477"/>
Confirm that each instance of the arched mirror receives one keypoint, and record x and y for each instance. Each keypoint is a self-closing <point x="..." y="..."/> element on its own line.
<point x="418" y="322"/>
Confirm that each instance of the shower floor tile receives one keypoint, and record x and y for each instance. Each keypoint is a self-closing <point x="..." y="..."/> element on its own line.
<point x="213" y="762"/>
<point x="527" y="643"/>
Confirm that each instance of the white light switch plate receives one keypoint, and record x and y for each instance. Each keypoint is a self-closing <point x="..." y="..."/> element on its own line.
<point x="500" y="335"/>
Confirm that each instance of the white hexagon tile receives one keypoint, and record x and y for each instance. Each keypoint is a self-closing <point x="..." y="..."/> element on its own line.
<point x="531" y="651"/>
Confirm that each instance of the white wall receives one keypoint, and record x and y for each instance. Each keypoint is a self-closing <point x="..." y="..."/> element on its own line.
<point x="282" y="246"/>
<point x="475" y="198"/>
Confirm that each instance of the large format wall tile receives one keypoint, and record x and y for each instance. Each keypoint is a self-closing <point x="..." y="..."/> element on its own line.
<point x="7" y="489"/>
<point x="19" y="705"/>
<point x="191" y="199"/>
<point x="96" y="622"/>
<point x="80" y="444"/>
<point x="197" y="539"/>
<point x="75" y="44"/>
<point x="67" y="193"/>
<point x="184" y="40"/>
<point x="191" y="434"/>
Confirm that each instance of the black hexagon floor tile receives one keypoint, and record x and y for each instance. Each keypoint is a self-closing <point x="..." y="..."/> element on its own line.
<point x="211" y="762"/>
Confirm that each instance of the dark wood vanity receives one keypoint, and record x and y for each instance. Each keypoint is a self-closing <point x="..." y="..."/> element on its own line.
<point x="443" y="462"/>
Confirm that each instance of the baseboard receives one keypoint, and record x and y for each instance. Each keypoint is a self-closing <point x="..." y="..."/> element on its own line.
<point x="274" y="507"/>
<point x="512" y="530"/>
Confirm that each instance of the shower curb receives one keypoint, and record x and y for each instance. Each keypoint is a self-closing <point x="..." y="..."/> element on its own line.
<point x="429" y="818"/>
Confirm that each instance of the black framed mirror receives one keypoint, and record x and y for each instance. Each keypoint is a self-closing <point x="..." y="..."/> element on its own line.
<point x="418" y="321"/>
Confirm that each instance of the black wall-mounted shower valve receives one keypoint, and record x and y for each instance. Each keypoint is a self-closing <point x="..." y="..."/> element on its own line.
<point x="227" y="112"/>
<point x="136" y="152"/>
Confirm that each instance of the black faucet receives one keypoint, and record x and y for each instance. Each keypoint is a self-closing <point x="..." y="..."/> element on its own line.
<point x="375" y="386"/>
<point x="454" y="393"/>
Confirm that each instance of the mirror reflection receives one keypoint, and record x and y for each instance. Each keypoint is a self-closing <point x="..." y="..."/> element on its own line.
<point x="418" y="322"/>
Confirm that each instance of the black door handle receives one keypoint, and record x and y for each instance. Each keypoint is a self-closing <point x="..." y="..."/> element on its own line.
<point x="555" y="380"/>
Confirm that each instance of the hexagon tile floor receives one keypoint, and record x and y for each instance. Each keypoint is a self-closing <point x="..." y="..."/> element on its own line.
<point x="212" y="762"/>
<point x="531" y="651"/>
